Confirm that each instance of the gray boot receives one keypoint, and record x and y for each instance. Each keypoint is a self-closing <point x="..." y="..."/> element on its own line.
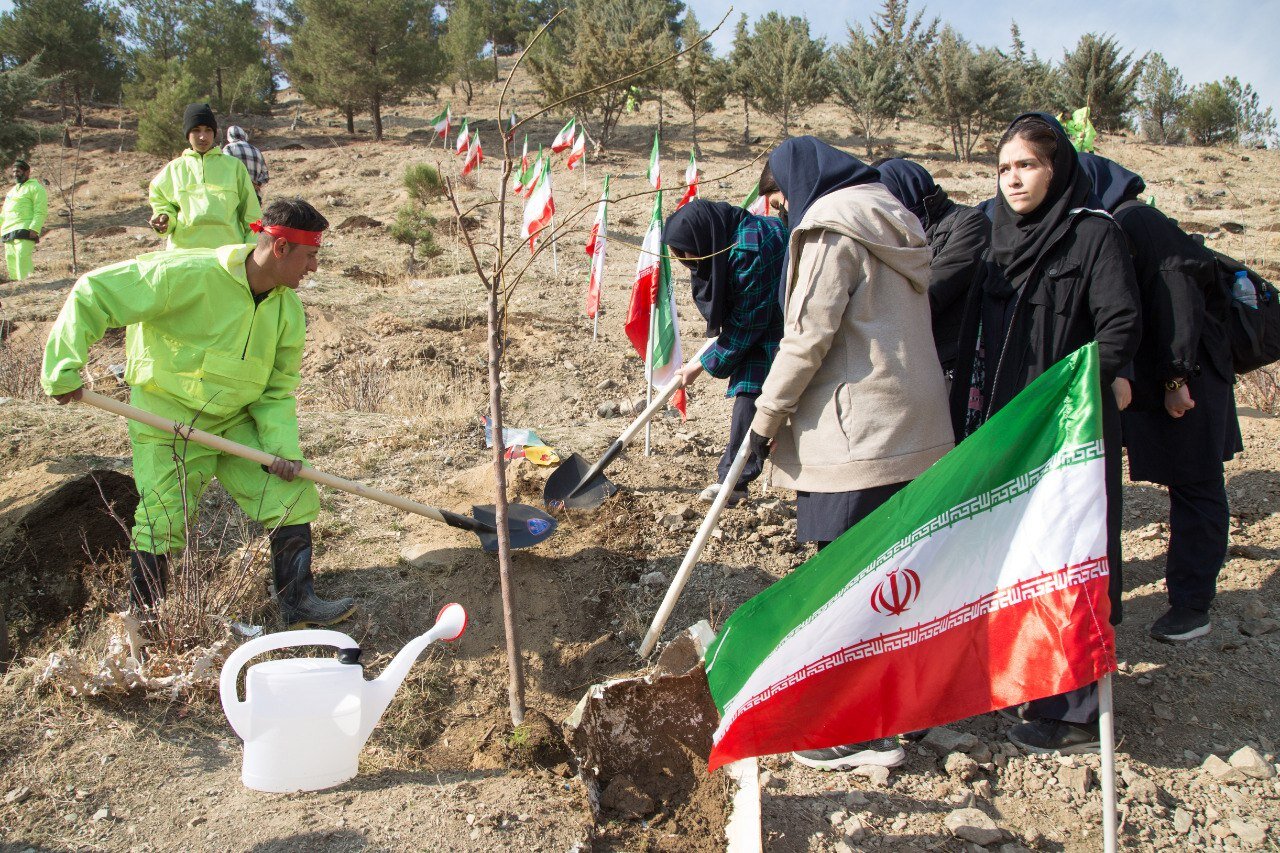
<point x="300" y="607"/>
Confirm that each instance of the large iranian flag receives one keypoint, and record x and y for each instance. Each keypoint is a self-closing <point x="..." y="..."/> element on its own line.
<point x="980" y="585"/>
<point x="539" y="209"/>
<point x="653" y="294"/>
<point x="597" y="243"/>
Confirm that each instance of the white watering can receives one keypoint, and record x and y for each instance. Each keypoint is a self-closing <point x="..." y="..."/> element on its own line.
<point x="304" y="720"/>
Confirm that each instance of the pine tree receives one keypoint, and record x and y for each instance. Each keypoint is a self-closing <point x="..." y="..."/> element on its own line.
<point x="598" y="43"/>
<point x="464" y="38"/>
<point x="222" y="48"/>
<point x="353" y="54"/>
<point x="872" y="73"/>
<point x="75" y="43"/>
<point x="1255" y="127"/>
<point x="18" y="87"/>
<point x="701" y="79"/>
<point x="970" y="92"/>
<point x="742" y="83"/>
<point x="789" y="67"/>
<point x="154" y="28"/>
<point x="1212" y="115"/>
<point x="1039" y="86"/>
<point x="1096" y="76"/>
<point x="1162" y="96"/>
<point x="159" y="93"/>
<point x="508" y="23"/>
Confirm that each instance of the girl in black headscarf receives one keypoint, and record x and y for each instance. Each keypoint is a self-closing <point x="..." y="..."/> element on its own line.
<point x="1182" y="425"/>
<point x="1057" y="276"/>
<point x="734" y="259"/>
<point x="957" y="235"/>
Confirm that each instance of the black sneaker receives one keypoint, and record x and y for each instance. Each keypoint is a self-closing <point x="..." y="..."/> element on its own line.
<point x="882" y="752"/>
<point x="1016" y="713"/>
<point x="1046" y="736"/>
<point x="1181" y="624"/>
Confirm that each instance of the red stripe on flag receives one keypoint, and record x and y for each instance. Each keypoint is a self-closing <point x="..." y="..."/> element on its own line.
<point x="642" y="296"/>
<point x="1042" y="646"/>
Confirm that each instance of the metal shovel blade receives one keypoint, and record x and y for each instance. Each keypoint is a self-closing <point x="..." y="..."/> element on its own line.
<point x="526" y="525"/>
<point x="565" y="486"/>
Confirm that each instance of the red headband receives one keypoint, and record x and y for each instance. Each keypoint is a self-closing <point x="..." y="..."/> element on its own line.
<point x="293" y="235"/>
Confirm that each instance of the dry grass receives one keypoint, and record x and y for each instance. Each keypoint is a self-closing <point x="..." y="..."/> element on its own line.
<point x="1260" y="390"/>
<point x="426" y="393"/>
<point x="19" y="369"/>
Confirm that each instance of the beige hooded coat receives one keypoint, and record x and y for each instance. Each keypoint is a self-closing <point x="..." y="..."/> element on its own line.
<point x="855" y="396"/>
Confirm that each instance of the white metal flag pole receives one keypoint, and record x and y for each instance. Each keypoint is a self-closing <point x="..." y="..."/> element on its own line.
<point x="648" y="373"/>
<point x="595" y="321"/>
<point x="695" y="550"/>
<point x="1106" y="728"/>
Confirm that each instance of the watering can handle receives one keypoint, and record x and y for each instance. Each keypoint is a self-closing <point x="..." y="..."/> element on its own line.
<point x="235" y="708"/>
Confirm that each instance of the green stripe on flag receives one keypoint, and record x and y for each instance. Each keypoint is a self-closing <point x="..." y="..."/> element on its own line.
<point x="1060" y="409"/>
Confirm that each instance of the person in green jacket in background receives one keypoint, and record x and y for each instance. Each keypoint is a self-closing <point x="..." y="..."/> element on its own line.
<point x="215" y="339"/>
<point x="203" y="198"/>
<point x="25" y="208"/>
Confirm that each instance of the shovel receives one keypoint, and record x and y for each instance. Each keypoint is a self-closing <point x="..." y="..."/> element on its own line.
<point x="526" y="525"/>
<point x="577" y="485"/>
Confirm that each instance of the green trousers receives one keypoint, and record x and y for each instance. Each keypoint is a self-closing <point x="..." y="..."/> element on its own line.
<point x="162" y="464"/>
<point x="19" y="258"/>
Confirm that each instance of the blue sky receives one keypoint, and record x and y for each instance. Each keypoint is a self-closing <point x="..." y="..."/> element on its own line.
<point x="1205" y="40"/>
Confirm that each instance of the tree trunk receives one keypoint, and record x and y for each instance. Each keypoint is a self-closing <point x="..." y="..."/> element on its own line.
<point x="217" y="82"/>
<point x="493" y="40"/>
<point x="377" y="116"/>
<point x="693" y="120"/>
<point x="746" y="122"/>
<point x="466" y="87"/>
<point x="351" y="121"/>
<point x="79" y="108"/>
<point x="661" y="103"/>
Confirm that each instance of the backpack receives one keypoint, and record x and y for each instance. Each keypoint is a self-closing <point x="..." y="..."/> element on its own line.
<point x="1254" y="333"/>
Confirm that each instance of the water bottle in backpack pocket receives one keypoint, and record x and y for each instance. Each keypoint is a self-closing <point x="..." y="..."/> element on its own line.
<point x="1253" y="327"/>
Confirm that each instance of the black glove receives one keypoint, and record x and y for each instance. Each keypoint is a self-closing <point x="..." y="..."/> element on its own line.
<point x="759" y="445"/>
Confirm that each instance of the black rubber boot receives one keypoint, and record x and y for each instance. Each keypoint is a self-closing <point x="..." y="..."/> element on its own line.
<point x="148" y="579"/>
<point x="300" y="607"/>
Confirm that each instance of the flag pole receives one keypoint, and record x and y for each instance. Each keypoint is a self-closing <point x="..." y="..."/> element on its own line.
<point x="648" y="372"/>
<point x="1106" y="729"/>
<point x="695" y="550"/>
<point x="555" y="260"/>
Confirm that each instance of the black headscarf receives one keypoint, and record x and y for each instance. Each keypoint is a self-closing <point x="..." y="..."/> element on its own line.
<point x="1018" y="240"/>
<point x="1113" y="183"/>
<point x="805" y="169"/>
<point x="910" y="183"/>
<point x="703" y="228"/>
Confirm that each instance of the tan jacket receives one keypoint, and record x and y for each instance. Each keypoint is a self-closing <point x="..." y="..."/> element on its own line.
<point x="855" y="396"/>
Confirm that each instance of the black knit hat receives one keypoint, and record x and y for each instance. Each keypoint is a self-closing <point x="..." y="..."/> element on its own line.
<point x="196" y="115"/>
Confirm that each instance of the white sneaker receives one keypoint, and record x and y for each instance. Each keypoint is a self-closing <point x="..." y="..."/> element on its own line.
<point x="709" y="494"/>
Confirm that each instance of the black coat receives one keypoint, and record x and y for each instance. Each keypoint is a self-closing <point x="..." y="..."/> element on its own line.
<point x="957" y="238"/>
<point x="1081" y="288"/>
<point x="1185" y="310"/>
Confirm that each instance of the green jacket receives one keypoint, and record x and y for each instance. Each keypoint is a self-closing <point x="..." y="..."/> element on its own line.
<point x="25" y="207"/>
<point x="195" y="337"/>
<point x="209" y="199"/>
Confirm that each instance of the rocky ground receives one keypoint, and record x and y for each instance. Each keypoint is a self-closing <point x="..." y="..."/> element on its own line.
<point x="393" y="392"/>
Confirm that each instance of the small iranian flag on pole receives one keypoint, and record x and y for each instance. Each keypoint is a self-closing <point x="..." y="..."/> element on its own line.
<point x="654" y="174"/>
<point x="653" y="298"/>
<point x="981" y="585"/>
<point x="596" y="245"/>
<point x="441" y="123"/>
<point x="475" y="154"/>
<point x="564" y="139"/>
<point x="579" y="151"/>
<point x="523" y="172"/>
<point x="531" y="178"/>
<point x="756" y="203"/>
<point x="464" y="139"/>
<point x="691" y="182"/>
<point x="539" y="209"/>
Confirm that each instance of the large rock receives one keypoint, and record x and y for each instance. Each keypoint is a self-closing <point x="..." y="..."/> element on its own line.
<point x="1248" y="761"/>
<point x="973" y="825"/>
<point x="943" y="740"/>
<point x="1221" y="770"/>
<point x="1250" y="834"/>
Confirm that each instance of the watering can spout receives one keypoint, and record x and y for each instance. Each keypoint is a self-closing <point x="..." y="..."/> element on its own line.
<point x="450" y="624"/>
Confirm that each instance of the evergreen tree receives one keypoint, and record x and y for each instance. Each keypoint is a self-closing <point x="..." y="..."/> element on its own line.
<point x="18" y="87"/>
<point x="595" y="44"/>
<point x="222" y="48"/>
<point x="742" y="83"/>
<point x="462" y="42"/>
<point x="1039" y="85"/>
<point x="790" y="69"/>
<point x="701" y="79"/>
<point x="1096" y="76"/>
<point x="1255" y="127"/>
<point x="872" y="73"/>
<point x="970" y="92"/>
<point x="1162" y="96"/>
<point x="352" y="54"/>
<point x="1212" y="115"/>
<point x="74" y="43"/>
<point x="154" y="27"/>
<point x="508" y="23"/>
<point x="160" y="93"/>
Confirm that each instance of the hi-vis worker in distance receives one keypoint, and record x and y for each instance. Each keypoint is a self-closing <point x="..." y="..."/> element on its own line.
<point x="215" y="339"/>
<point x="203" y="198"/>
<point x="25" y="208"/>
